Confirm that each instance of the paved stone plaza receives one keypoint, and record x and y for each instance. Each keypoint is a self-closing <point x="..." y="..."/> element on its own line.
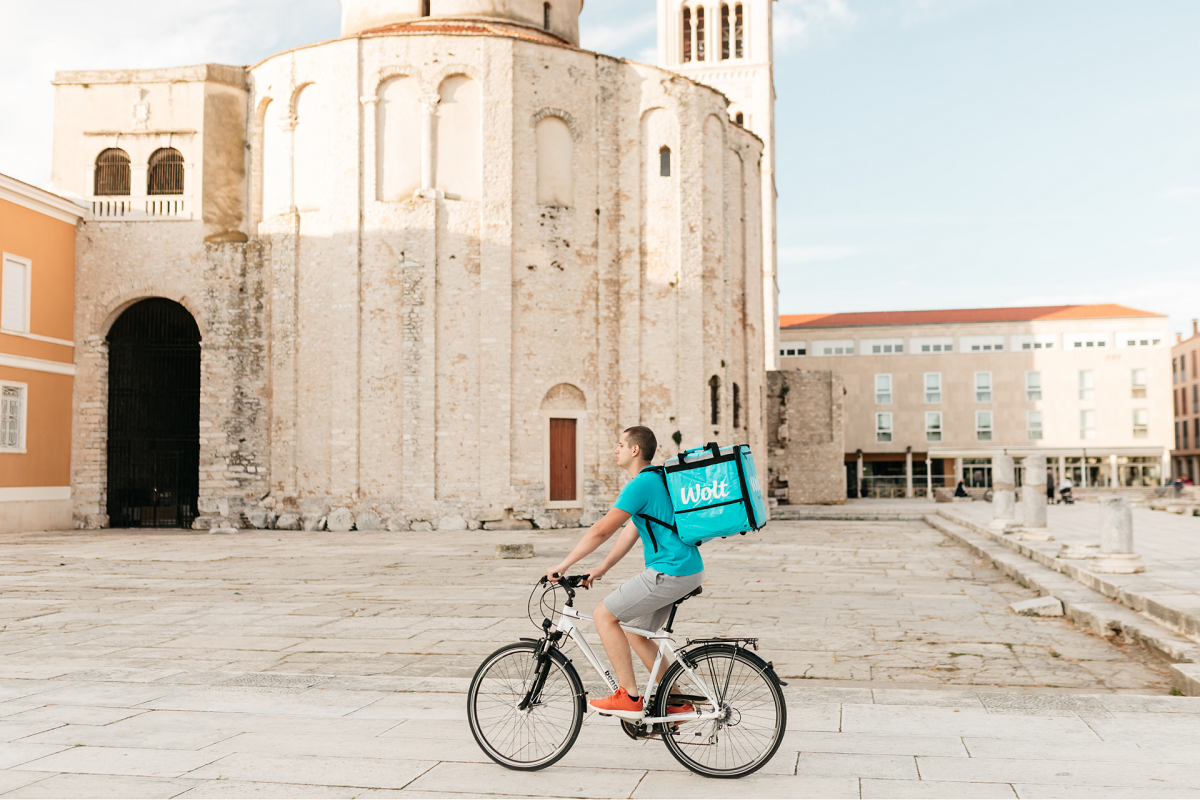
<point x="164" y="664"/>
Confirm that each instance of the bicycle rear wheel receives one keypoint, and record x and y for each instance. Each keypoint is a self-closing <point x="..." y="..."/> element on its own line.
<point x="538" y="736"/>
<point x="754" y="716"/>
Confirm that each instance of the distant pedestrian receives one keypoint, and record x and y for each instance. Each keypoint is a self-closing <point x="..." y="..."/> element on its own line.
<point x="1065" y="495"/>
<point x="1050" y="491"/>
<point x="961" y="491"/>
<point x="1178" y="486"/>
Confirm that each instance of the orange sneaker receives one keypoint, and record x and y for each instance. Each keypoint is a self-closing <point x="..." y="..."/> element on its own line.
<point x="619" y="705"/>
<point x="685" y="708"/>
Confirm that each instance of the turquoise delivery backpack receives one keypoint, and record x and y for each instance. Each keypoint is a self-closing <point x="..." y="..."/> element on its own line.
<point x="714" y="492"/>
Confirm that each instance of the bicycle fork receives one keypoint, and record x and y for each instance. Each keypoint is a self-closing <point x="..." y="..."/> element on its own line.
<point x="541" y="671"/>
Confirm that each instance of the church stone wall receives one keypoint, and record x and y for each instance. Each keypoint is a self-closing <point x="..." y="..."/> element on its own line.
<point x="396" y="361"/>
<point x="805" y="430"/>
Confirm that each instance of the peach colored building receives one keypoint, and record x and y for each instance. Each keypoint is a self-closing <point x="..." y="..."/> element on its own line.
<point x="1185" y="390"/>
<point x="932" y="396"/>
<point x="37" y="290"/>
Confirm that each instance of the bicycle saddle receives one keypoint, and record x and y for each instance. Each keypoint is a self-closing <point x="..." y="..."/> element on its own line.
<point x="692" y="593"/>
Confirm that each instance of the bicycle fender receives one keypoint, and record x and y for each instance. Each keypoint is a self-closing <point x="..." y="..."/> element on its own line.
<point x="764" y="667"/>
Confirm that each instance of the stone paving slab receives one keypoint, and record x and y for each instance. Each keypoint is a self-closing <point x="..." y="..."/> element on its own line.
<point x="151" y="668"/>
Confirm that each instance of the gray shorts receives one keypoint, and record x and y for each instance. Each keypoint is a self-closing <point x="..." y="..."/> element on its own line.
<point x="644" y="601"/>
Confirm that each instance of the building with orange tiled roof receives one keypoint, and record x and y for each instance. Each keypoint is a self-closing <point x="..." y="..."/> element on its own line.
<point x="1185" y="396"/>
<point x="932" y="395"/>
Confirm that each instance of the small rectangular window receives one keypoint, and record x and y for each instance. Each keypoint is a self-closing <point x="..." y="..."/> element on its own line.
<point x="1033" y="425"/>
<point x="883" y="389"/>
<point x="1087" y="424"/>
<point x="933" y="387"/>
<point x="1087" y="384"/>
<point x="1033" y="386"/>
<point x="12" y="417"/>
<point x="883" y="427"/>
<point x="983" y="426"/>
<point x="983" y="387"/>
<point x="1138" y="379"/>
<point x="1196" y="398"/>
<point x="1141" y="423"/>
<point x="933" y="426"/>
<point x="14" y="294"/>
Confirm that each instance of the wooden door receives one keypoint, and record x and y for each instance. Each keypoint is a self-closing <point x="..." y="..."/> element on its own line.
<point x="562" y="460"/>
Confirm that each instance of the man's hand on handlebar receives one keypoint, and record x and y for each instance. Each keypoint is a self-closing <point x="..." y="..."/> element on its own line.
<point x="553" y="575"/>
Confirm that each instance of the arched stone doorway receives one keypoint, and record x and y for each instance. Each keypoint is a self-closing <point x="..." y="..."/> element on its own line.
<point x="153" y="416"/>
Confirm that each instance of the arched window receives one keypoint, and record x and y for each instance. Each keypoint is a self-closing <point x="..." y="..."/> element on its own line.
<point x="714" y="396"/>
<point x="459" y="159"/>
<point x="740" y="119"/>
<point x="724" y="32"/>
<point x="737" y="407"/>
<point x="555" y="163"/>
<point x="664" y="162"/>
<point x="546" y="16"/>
<point x="113" y="175"/>
<point x="700" y="33"/>
<point x="687" y="34"/>
<point x="424" y="8"/>
<point x="738" y="38"/>
<point x="165" y="175"/>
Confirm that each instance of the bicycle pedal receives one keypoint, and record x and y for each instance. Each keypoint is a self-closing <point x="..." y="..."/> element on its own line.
<point x="601" y="713"/>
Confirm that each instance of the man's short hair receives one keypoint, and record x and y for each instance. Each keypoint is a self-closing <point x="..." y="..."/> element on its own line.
<point x="643" y="438"/>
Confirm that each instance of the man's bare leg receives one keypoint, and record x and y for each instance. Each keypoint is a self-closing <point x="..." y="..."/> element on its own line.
<point x="612" y="636"/>
<point x="647" y="651"/>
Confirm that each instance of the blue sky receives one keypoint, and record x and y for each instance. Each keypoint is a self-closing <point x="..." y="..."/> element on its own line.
<point x="931" y="153"/>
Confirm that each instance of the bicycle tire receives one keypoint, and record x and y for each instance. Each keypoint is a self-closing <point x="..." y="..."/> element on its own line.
<point x="499" y="685"/>
<point x="743" y="681"/>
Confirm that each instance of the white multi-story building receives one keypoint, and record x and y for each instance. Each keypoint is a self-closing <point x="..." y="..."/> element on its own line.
<point x="728" y="45"/>
<point x="933" y="395"/>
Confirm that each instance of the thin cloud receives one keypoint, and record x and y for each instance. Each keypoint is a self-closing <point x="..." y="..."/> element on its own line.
<point x="798" y="22"/>
<point x="809" y="254"/>
<point x="1180" y="192"/>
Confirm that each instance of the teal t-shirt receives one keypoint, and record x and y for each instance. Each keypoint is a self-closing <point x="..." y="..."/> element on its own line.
<point x="647" y="494"/>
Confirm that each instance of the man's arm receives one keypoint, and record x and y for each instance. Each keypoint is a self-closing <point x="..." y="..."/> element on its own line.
<point x="625" y="542"/>
<point x="597" y="535"/>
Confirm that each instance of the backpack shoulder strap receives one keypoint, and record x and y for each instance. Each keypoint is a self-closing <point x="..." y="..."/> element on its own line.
<point x="663" y="474"/>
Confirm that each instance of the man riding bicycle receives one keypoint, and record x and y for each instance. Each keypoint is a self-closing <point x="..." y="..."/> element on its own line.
<point x="673" y="569"/>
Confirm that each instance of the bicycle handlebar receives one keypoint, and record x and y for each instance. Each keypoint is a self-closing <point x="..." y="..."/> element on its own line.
<point x="566" y="581"/>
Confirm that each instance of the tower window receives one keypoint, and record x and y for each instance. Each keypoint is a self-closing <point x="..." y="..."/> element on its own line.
<point x="687" y="34"/>
<point x="424" y="8"/>
<point x="724" y="33"/>
<point x="664" y="162"/>
<point x="738" y="50"/>
<point x="737" y="407"/>
<point x="740" y="119"/>
<point x="700" y="33"/>
<point x="714" y="393"/>
<point x="113" y="175"/>
<point x="546" y="16"/>
<point x="165" y="175"/>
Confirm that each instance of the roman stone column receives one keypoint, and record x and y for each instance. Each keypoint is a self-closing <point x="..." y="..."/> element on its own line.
<point x="1116" y="538"/>
<point x="908" y="474"/>
<point x="1033" y="499"/>
<point x="1004" y="495"/>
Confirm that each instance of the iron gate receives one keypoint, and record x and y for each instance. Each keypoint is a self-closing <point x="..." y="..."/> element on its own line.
<point x="153" y="416"/>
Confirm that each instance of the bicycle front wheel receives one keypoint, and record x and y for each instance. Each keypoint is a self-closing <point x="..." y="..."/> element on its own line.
<point x="753" y="716"/>
<point x="541" y="734"/>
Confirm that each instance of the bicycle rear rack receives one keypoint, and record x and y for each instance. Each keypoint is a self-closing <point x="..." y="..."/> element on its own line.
<point x="751" y="642"/>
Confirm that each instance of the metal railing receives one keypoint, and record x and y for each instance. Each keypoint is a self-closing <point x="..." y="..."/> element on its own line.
<point x="141" y="208"/>
<point x="896" y="486"/>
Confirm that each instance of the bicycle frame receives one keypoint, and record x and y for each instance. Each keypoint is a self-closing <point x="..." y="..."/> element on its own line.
<point x="567" y="620"/>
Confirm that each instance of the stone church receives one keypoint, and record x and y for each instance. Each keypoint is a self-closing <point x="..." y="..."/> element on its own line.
<point x="419" y="276"/>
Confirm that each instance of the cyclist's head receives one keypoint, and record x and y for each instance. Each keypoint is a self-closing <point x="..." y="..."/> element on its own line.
<point x="640" y="441"/>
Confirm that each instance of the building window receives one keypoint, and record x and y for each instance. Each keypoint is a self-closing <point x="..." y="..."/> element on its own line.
<point x="425" y="8"/>
<point x="15" y="294"/>
<point x="740" y="119"/>
<point x="725" y="32"/>
<point x="545" y="16"/>
<point x="1087" y="424"/>
<point x="714" y="397"/>
<point x="1139" y="383"/>
<point x="883" y="427"/>
<point x="738" y="51"/>
<point x="113" y="174"/>
<point x="687" y="34"/>
<point x="983" y="387"/>
<point x="1033" y="425"/>
<point x="1183" y="369"/>
<point x="1141" y="423"/>
<point x="1087" y="384"/>
<point x="1174" y="370"/>
<point x="165" y="175"/>
<point x="1196" y="398"/>
<point x="1033" y="386"/>
<point x="883" y="389"/>
<point x="664" y="162"/>
<point x="12" y="417"/>
<point x="700" y="33"/>
<point x="983" y="426"/>
<point x="933" y="426"/>
<point x="737" y="406"/>
<point x="933" y="387"/>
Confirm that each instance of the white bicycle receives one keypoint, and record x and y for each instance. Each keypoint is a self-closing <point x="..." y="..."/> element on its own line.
<point x="526" y="703"/>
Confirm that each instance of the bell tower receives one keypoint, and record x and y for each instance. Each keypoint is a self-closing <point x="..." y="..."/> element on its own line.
<point x="726" y="44"/>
